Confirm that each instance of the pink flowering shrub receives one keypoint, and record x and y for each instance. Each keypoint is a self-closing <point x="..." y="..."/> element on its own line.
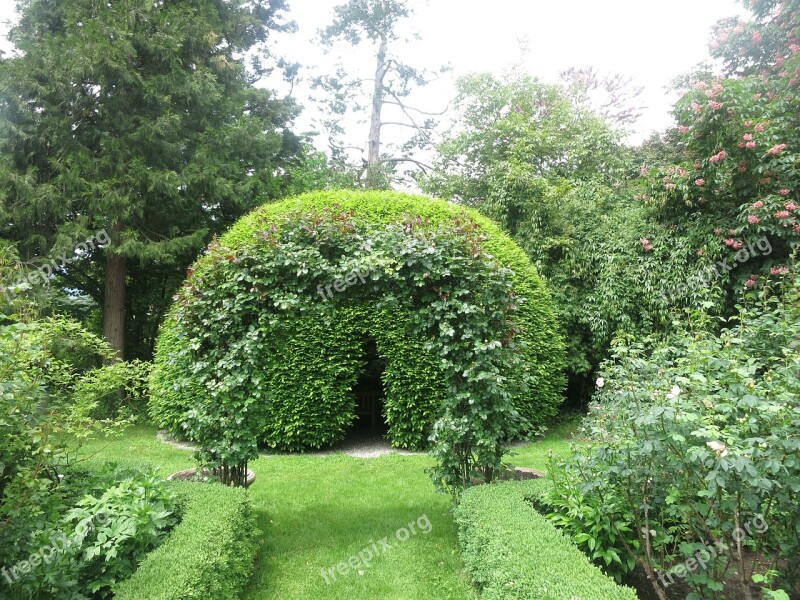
<point x="739" y="137"/>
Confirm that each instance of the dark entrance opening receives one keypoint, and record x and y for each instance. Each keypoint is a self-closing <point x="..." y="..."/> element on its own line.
<point x="369" y="394"/>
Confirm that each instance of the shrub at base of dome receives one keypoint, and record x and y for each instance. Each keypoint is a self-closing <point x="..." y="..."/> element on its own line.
<point x="265" y="342"/>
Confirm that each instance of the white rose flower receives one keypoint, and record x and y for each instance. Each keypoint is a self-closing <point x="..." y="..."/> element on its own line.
<point x="718" y="447"/>
<point x="674" y="392"/>
<point x="600" y="382"/>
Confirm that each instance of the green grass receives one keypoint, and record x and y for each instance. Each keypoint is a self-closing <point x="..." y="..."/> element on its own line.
<point x="536" y="455"/>
<point x="315" y="512"/>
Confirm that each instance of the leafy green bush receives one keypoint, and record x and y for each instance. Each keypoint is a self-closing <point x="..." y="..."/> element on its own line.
<point x="44" y="416"/>
<point x="692" y="466"/>
<point x="512" y="551"/>
<point x="208" y="555"/>
<point x="40" y="362"/>
<point x="598" y="524"/>
<point x="98" y="542"/>
<point x="115" y="389"/>
<point x="263" y="346"/>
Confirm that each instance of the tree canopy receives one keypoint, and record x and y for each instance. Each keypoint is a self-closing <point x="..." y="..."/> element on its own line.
<point x="140" y="119"/>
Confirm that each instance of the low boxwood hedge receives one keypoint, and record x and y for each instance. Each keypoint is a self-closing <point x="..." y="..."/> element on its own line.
<point x="208" y="555"/>
<point x="512" y="551"/>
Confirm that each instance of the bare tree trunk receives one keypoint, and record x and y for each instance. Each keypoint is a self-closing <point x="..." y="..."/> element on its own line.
<point x="114" y="304"/>
<point x="374" y="179"/>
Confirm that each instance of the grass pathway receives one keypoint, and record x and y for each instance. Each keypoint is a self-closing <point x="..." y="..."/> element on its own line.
<point x="315" y="512"/>
<point x="321" y="511"/>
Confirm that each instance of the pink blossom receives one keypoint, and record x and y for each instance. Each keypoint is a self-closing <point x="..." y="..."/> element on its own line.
<point x="732" y="243"/>
<point x="644" y="171"/>
<point x="700" y="182"/>
<point x="718" y="230"/>
<point x="758" y="204"/>
<point x="670" y="186"/>
<point x="742" y="167"/>
<point x="739" y="29"/>
<point x="756" y="37"/>
<point x="775" y="150"/>
<point x="759" y="128"/>
<point x="646" y="244"/>
<point x="794" y="48"/>
<point x="697" y="165"/>
<point x="719" y="157"/>
<point x="797" y="228"/>
<point x="750" y="283"/>
<point x="779" y="270"/>
<point x="782" y="214"/>
<point x="784" y="192"/>
<point x="748" y="123"/>
<point x="732" y="231"/>
<point x="714" y="105"/>
<point x="747" y="137"/>
<point x="683" y="129"/>
<point x="697" y="108"/>
<point x="753" y="220"/>
<point x="791" y="206"/>
<point x="700" y="85"/>
<point x="750" y="145"/>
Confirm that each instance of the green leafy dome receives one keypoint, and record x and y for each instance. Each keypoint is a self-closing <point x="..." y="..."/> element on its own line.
<point x="267" y="335"/>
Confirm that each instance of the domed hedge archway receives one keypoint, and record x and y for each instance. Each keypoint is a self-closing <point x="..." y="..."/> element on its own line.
<point x="272" y="317"/>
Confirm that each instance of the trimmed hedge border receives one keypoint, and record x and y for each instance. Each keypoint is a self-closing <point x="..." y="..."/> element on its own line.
<point x="512" y="551"/>
<point x="208" y="555"/>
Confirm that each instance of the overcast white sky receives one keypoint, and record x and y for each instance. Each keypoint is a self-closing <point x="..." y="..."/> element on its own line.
<point x="652" y="41"/>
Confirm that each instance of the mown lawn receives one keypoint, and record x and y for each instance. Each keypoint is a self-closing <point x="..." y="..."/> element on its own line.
<point x="315" y="512"/>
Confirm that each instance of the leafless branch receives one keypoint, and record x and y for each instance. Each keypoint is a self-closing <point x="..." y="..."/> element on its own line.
<point x="399" y="159"/>
<point x="423" y="112"/>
